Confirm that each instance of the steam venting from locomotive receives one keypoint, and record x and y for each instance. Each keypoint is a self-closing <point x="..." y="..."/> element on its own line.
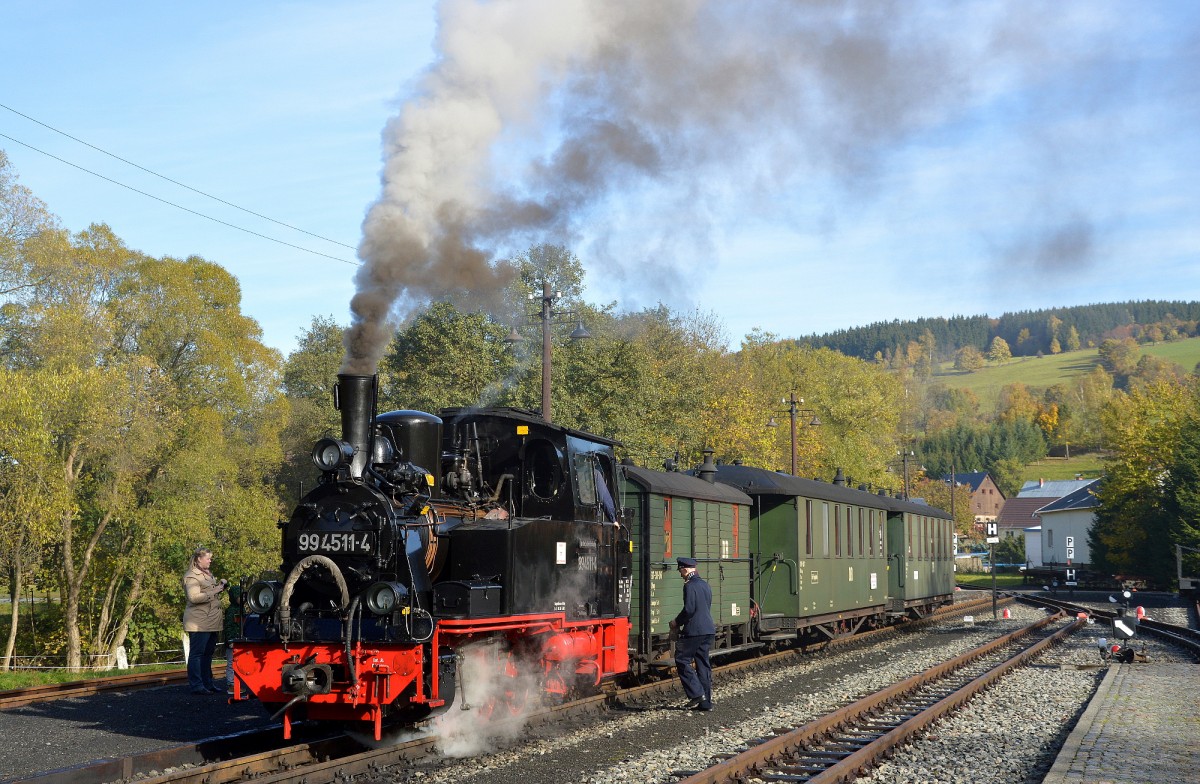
<point x="536" y="112"/>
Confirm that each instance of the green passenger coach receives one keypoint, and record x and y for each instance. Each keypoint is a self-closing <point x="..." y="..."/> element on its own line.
<point x="826" y="557"/>
<point x="920" y="540"/>
<point x="791" y="561"/>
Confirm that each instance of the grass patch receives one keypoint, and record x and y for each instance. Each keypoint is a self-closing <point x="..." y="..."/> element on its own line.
<point x="21" y="679"/>
<point x="1185" y="353"/>
<point x="984" y="581"/>
<point x="1090" y="466"/>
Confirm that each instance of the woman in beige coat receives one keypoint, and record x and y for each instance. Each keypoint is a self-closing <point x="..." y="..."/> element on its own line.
<point x="202" y="620"/>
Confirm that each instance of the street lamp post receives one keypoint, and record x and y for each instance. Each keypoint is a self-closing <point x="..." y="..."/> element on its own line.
<point x="905" y="454"/>
<point x="953" y="516"/>
<point x="794" y="410"/>
<point x="546" y="317"/>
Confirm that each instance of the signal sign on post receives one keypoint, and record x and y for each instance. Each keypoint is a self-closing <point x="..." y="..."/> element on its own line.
<point x="1070" y="542"/>
<point x="1070" y="553"/>
<point x="993" y="533"/>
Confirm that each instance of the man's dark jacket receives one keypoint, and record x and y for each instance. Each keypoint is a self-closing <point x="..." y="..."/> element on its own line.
<point x="695" y="619"/>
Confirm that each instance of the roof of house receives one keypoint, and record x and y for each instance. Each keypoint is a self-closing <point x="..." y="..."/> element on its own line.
<point x="1052" y="488"/>
<point x="1019" y="512"/>
<point x="1083" y="498"/>
<point x="972" y="479"/>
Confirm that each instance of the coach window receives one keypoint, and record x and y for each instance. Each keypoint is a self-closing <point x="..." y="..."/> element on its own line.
<point x="825" y="530"/>
<point x="808" y="520"/>
<point x="849" y="536"/>
<point x="862" y="545"/>
<point x="837" y="530"/>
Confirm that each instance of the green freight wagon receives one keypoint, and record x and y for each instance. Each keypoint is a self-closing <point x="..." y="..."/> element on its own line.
<point x="673" y="515"/>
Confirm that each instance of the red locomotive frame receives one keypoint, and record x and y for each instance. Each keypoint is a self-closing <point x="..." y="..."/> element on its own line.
<point x="588" y="650"/>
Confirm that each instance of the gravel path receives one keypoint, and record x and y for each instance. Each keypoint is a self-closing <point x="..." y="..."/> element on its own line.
<point x="1011" y="734"/>
<point x="63" y="733"/>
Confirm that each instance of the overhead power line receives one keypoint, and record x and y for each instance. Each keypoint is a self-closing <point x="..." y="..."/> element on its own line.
<point x="180" y="184"/>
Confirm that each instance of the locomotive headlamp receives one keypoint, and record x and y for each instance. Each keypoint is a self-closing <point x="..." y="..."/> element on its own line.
<point x="330" y="454"/>
<point x="385" y="598"/>
<point x="263" y="596"/>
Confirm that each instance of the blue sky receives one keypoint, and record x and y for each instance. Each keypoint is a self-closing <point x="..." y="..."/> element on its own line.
<point x="830" y="165"/>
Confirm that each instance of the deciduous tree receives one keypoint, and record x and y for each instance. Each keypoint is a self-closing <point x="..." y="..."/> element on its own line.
<point x="999" y="351"/>
<point x="1131" y="534"/>
<point x="968" y="358"/>
<point x="163" y="417"/>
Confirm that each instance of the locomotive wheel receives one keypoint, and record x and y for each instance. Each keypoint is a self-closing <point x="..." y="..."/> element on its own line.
<point x="511" y="697"/>
<point x="497" y="686"/>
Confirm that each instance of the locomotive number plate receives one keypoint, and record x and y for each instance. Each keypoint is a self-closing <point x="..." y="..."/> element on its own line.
<point x="346" y="543"/>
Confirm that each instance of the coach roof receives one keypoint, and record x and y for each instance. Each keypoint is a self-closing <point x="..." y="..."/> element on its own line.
<point x="759" y="481"/>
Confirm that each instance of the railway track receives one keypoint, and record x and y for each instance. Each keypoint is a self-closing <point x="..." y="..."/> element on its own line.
<point x="15" y="698"/>
<point x="839" y="745"/>
<point x="314" y="758"/>
<point x="1181" y="636"/>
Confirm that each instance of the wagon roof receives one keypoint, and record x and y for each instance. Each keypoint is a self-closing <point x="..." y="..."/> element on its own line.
<point x="679" y="485"/>
<point x="759" y="481"/>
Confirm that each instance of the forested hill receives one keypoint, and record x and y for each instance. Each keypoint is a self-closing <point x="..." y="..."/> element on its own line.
<point x="1027" y="332"/>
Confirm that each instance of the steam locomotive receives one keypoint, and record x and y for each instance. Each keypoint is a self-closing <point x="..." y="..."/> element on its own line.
<point x="439" y="552"/>
<point x="478" y="541"/>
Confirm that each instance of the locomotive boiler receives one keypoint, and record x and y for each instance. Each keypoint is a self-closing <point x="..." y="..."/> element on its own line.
<point x="473" y="541"/>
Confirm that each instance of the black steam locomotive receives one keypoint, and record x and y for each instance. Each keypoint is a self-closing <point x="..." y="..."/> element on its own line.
<point x="486" y="537"/>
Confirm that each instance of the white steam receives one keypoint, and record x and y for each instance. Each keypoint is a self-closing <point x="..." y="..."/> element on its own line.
<point x="493" y="699"/>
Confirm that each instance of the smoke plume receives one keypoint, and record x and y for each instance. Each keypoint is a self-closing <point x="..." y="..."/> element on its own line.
<point x="537" y="113"/>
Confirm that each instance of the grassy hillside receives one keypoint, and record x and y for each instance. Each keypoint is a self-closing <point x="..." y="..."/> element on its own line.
<point x="1089" y="466"/>
<point x="1046" y="371"/>
<point x="1181" y="352"/>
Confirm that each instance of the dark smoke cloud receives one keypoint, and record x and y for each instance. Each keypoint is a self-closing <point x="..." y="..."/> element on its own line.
<point x="537" y="112"/>
<point x="1060" y="248"/>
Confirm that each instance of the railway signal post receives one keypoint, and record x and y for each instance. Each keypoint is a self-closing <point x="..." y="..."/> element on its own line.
<point x="993" y="539"/>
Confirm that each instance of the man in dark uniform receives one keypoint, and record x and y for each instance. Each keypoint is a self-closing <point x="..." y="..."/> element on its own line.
<point x="694" y="625"/>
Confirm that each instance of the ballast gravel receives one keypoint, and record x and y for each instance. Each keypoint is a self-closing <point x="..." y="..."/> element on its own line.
<point x="1010" y="734"/>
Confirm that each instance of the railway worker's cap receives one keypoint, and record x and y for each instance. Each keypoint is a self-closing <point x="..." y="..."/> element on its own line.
<point x="690" y="563"/>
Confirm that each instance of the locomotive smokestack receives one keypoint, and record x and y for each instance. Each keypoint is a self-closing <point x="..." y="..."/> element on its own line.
<point x="354" y="396"/>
